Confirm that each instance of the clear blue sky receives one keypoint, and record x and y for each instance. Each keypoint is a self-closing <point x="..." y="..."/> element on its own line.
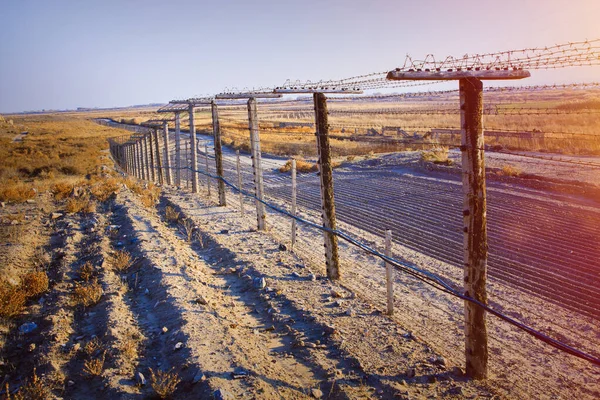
<point x="84" y="53"/>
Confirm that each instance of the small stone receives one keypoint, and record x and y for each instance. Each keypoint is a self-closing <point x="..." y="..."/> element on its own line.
<point x="338" y="303"/>
<point x="56" y="215"/>
<point x="296" y="275"/>
<point x="146" y="291"/>
<point x="140" y="379"/>
<point x="312" y="277"/>
<point x="31" y="347"/>
<point x="282" y="247"/>
<point x="165" y="329"/>
<point x="350" y="312"/>
<point x="336" y="294"/>
<point x="201" y="300"/>
<point x="310" y="345"/>
<point x="221" y="394"/>
<point x="70" y="383"/>
<point x="28" y="327"/>
<point x="199" y="377"/>
<point x="225" y="231"/>
<point x="260" y="283"/>
<point x="2" y="204"/>
<point x="411" y="373"/>
<point x="30" y="201"/>
<point x="76" y="347"/>
<point x="316" y="393"/>
<point x="239" y="373"/>
<point x="178" y="346"/>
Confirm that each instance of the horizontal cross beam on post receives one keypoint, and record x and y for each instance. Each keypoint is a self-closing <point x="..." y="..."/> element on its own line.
<point x="194" y="101"/>
<point x="451" y="75"/>
<point x="173" y="108"/>
<point x="317" y="90"/>
<point x="247" y="95"/>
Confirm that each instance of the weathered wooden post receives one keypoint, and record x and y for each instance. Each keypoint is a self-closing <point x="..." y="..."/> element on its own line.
<point x="158" y="156"/>
<point x="152" y="163"/>
<point x="389" y="273"/>
<point x="261" y="214"/>
<point x="474" y="199"/>
<point x="294" y="193"/>
<point x="325" y="169"/>
<point x="177" y="149"/>
<point x="239" y="181"/>
<point x="218" y="154"/>
<point x="327" y="198"/>
<point x="194" y="156"/>
<point x="207" y="171"/>
<point x="254" y="148"/>
<point x="149" y="175"/>
<point x="167" y="155"/>
<point x="141" y="159"/>
<point x="187" y="170"/>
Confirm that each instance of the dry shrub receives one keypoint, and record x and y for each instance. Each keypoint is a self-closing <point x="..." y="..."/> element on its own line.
<point x="17" y="192"/>
<point x="35" y="389"/>
<point x="171" y="214"/>
<point x="92" y="346"/>
<point x="121" y="261"/>
<point x="436" y="156"/>
<point x="186" y="227"/>
<point x="12" y="300"/>
<point x="62" y="190"/>
<point x="87" y="294"/>
<point x="82" y="204"/>
<point x="164" y="383"/>
<point x="148" y="195"/>
<point x="105" y="189"/>
<point x="94" y="367"/>
<point x="34" y="283"/>
<point x="128" y="349"/>
<point x="301" y="166"/>
<point x="87" y="271"/>
<point x="509" y="170"/>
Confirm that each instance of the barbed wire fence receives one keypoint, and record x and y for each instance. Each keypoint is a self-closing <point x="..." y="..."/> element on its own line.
<point x="552" y="297"/>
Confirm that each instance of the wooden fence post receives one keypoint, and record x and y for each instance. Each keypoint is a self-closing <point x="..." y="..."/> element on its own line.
<point x="167" y="155"/>
<point x="194" y="163"/>
<point x="147" y="157"/>
<point x="239" y="181"/>
<point x="177" y="149"/>
<point x="475" y="230"/>
<point x="327" y="197"/>
<point x="294" y="193"/>
<point x="158" y="157"/>
<point x="207" y="170"/>
<point x="389" y="273"/>
<point x="152" y="164"/>
<point x="141" y="159"/>
<point x="187" y="170"/>
<point x="256" y="163"/>
<point x="218" y="154"/>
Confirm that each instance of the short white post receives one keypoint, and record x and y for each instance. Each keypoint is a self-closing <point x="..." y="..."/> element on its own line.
<point x="389" y="273"/>
<point x="294" y="191"/>
<point x="239" y="179"/>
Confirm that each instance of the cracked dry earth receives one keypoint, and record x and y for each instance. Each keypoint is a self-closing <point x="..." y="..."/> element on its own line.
<point x="230" y="312"/>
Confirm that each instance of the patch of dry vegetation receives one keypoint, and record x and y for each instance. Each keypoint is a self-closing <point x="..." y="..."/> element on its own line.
<point x="437" y="156"/>
<point x="301" y="166"/>
<point x="80" y="204"/>
<point x="87" y="272"/>
<point x="121" y="261"/>
<point x="14" y="297"/>
<point x="171" y="215"/>
<point x="95" y="366"/>
<point x="510" y="170"/>
<point x="164" y="383"/>
<point x="87" y="294"/>
<point x="34" y="389"/>
<point x="56" y="149"/>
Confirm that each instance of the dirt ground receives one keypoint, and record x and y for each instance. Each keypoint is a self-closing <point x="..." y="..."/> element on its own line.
<point x="230" y="312"/>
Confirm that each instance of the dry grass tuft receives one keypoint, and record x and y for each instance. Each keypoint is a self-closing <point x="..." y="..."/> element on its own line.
<point x="121" y="261"/>
<point x="87" y="272"/>
<point x="34" y="283"/>
<point x="186" y="227"/>
<point x="12" y="300"/>
<point x="148" y="194"/>
<point x="171" y="215"/>
<point x="128" y="349"/>
<point x="509" y="170"/>
<point x="87" y="294"/>
<point x="35" y="389"/>
<point x="437" y="156"/>
<point x="301" y="166"/>
<point x="164" y="383"/>
<point x="81" y="204"/>
<point x="105" y="189"/>
<point x="15" y="191"/>
<point x="92" y="346"/>
<point x="62" y="190"/>
<point x="94" y="367"/>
